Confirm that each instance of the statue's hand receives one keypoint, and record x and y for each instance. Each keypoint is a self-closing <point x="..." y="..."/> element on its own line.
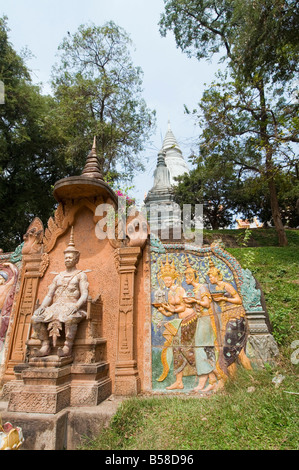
<point x="168" y="307"/>
<point x="73" y="310"/>
<point x="39" y="311"/>
<point x="189" y="300"/>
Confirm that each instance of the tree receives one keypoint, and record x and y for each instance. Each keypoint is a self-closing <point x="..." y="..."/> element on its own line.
<point x="255" y="138"/>
<point x="29" y="161"/>
<point x="98" y="92"/>
<point x="266" y="38"/>
<point x="258" y="98"/>
<point x="252" y="198"/>
<point x="210" y="184"/>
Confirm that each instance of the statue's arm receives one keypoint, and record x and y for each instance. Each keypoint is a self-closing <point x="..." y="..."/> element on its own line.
<point x="235" y="298"/>
<point x="83" y="284"/>
<point x="48" y="298"/>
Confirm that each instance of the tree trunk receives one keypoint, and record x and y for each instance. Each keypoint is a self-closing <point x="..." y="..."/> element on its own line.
<point x="282" y="238"/>
<point x="269" y="170"/>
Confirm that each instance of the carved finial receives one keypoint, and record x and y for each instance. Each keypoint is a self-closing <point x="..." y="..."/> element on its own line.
<point x="92" y="166"/>
<point x="71" y="242"/>
<point x="94" y="145"/>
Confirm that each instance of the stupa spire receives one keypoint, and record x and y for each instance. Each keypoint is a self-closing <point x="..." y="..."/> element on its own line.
<point x="173" y="156"/>
<point x="92" y="165"/>
<point x="170" y="141"/>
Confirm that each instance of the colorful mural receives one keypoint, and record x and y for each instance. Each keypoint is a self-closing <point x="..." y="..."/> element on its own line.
<point x="199" y="325"/>
<point x="8" y="280"/>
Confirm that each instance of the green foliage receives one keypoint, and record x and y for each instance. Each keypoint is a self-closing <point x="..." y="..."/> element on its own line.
<point x="98" y="93"/>
<point x="259" y="36"/>
<point x="276" y="269"/>
<point x="250" y="116"/>
<point x="267" y="41"/>
<point x="210" y="184"/>
<point x="29" y="162"/>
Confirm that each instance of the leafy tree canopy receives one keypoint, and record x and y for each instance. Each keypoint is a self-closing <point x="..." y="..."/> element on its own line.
<point x="256" y="35"/>
<point x="29" y="161"/>
<point x="99" y="93"/>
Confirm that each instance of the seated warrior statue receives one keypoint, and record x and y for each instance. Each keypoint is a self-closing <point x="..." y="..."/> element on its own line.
<point x="62" y="305"/>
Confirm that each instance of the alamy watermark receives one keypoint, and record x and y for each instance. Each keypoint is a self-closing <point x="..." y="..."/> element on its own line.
<point x="2" y="92"/>
<point x="165" y="221"/>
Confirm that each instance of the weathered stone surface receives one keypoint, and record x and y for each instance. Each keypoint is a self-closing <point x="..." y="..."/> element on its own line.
<point x="65" y="430"/>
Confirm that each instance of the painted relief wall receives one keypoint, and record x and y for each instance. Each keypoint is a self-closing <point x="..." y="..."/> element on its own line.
<point x="9" y="270"/>
<point x="200" y="300"/>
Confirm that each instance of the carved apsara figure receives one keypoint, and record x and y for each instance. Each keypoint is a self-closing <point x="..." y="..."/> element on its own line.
<point x="63" y="305"/>
<point x="207" y="328"/>
<point x="174" y="305"/>
<point x="233" y="321"/>
<point x="204" y="338"/>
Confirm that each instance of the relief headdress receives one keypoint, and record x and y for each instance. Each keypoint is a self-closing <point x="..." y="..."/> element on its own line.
<point x="189" y="269"/>
<point x="71" y="246"/>
<point x="213" y="270"/>
<point x="168" y="270"/>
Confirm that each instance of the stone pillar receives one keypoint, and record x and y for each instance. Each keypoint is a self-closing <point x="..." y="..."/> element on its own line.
<point x="127" y="380"/>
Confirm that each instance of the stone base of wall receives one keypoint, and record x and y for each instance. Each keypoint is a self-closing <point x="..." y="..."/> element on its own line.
<point x="65" y="430"/>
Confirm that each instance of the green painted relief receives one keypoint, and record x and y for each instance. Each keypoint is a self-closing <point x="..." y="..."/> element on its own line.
<point x="199" y="325"/>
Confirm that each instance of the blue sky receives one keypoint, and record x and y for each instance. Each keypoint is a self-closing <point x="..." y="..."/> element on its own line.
<point x="170" y="80"/>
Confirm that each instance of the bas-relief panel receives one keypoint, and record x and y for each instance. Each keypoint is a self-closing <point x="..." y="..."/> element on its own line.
<point x="199" y="326"/>
<point x="8" y="281"/>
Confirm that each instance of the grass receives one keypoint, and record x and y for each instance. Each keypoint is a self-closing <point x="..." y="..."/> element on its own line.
<point x="235" y="419"/>
<point x="251" y="413"/>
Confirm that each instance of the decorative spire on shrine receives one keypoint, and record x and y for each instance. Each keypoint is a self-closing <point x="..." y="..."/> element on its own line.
<point x="170" y="141"/>
<point x="92" y="165"/>
<point x="173" y="156"/>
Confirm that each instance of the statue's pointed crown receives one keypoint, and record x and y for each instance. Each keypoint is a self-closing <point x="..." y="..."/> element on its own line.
<point x="168" y="270"/>
<point x="71" y="246"/>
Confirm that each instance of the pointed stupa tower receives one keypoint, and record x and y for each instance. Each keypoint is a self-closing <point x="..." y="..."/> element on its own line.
<point x="159" y="202"/>
<point x="161" y="191"/>
<point x="173" y="156"/>
<point x="89" y="184"/>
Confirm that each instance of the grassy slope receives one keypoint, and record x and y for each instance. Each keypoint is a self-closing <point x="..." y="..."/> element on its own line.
<point x="218" y="422"/>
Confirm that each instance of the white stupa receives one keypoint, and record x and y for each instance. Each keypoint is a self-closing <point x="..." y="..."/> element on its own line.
<point x="173" y="156"/>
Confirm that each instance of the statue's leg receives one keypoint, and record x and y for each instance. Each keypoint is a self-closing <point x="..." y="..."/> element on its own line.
<point x="40" y="330"/>
<point x="70" y="333"/>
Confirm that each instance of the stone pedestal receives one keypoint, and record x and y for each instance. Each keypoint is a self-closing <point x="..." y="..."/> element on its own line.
<point x="42" y="388"/>
<point x="50" y="384"/>
<point x="41" y="431"/>
<point x="261" y="347"/>
<point x="90" y="384"/>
